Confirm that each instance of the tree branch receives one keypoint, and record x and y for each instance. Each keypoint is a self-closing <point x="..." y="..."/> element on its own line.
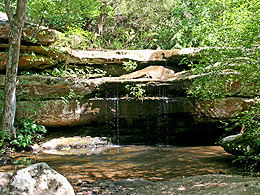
<point x="20" y="10"/>
<point x="9" y="9"/>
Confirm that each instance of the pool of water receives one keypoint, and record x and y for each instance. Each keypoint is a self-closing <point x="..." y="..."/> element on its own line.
<point x="150" y="163"/>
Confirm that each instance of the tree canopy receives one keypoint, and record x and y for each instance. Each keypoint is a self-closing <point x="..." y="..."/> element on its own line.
<point x="164" y="24"/>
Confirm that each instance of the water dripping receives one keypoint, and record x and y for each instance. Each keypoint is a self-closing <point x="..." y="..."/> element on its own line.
<point x="159" y="125"/>
<point x="113" y="115"/>
<point x="163" y="122"/>
<point x="117" y="118"/>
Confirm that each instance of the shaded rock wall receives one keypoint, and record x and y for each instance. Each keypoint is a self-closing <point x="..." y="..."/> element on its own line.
<point x="164" y="116"/>
<point x="104" y="107"/>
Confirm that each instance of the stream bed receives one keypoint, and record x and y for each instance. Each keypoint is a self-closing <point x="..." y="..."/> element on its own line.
<point x="129" y="162"/>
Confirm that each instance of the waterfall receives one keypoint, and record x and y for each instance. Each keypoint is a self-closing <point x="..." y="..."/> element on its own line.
<point x="113" y="115"/>
<point x="163" y="118"/>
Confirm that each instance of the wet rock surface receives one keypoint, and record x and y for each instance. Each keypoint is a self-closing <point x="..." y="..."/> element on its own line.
<point x="147" y="170"/>
<point x="111" y="187"/>
<point x="202" y="184"/>
<point x="206" y="184"/>
<point x="74" y="146"/>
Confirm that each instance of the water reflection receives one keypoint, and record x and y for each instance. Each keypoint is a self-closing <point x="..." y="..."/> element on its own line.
<point x="150" y="163"/>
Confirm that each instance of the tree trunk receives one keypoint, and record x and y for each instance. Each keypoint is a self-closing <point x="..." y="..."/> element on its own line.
<point x="101" y="20"/>
<point x="16" y="25"/>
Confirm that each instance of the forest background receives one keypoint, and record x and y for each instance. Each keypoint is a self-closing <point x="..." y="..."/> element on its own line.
<point x="151" y="24"/>
<point x="230" y="28"/>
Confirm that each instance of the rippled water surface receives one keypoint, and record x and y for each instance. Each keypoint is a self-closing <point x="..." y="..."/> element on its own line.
<point x="151" y="163"/>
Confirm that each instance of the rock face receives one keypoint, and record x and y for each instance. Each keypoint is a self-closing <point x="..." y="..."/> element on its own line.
<point x="39" y="179"/>
<point x="46" y="49"/>
<point x="111" y="101"/>
<point x="47" y="88"/>
<point x="33" y="56"/>
<point x="41" y="35"/>
<point x="76" y="101"/>
<point x="107" y="103"/>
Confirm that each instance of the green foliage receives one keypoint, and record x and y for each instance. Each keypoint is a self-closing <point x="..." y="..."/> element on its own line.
<point x="231" y="72"/>
<point x="27" y="133"/>
<point x="59" y="15"/>
<point x="71" y="95"/>
<point x="233" y="68"/>
<point x="174" y="24"/>
<point x="234" y="72"/>
<point x="249" y="119"/>
<point x="130" y="65"/>
<point x="156" y="24"/>
<point x="79" y="39"/>
<point x="5" y="137"/>
<point x="137" y="91"/>
<point x="249" y="142"/>
<point x="23" y="162"/>
<point x="65" y="70"/>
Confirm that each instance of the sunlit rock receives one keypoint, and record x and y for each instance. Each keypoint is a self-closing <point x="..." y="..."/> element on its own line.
<point x="39" y="179"/>
<point x="47" y="87"/>
<point x="33" y="56"/>
<point x="144" y="56"/>
<point x="50" y="112"/>
<point x="34" y="37"/>
<point x="75" y="146"/>
<point x="153" y="72"/>
<point x="31" y="32"/>
<point x="240" y="144"/>
<point x="4" y="182"/>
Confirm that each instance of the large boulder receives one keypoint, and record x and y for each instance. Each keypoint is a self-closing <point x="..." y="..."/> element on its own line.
<point x="4" y="182"/>
<point x="240" y="144"/>
<point x="39" y="179"/>
<point x="232" y="144"/>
